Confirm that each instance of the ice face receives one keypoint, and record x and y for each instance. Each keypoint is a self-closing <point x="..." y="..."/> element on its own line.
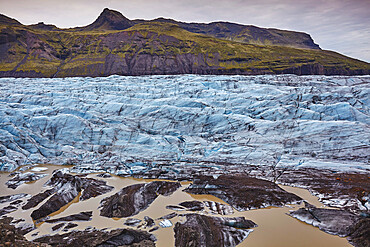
<point x="126" y="124"/>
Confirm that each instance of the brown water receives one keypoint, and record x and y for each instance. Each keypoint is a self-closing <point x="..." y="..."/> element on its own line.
<point x="275" y="228"/>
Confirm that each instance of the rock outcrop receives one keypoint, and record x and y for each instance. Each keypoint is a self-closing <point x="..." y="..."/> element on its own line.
<point x="243" y="192"/>
<point x="11" y="198"/>
<point x="332" y="221"/>
<point x="83" y="216"/>
<point x="213" y="207"/>
<point x="134" y="198"/>
<point x="12" y="236"/>
<point x="201" y="230"/>
<point x="21" y="178"/>
<point x="7" y="209"/>
<point x="192" y="205"/>
<point x="108" y="20"/>
<point x="337" y="222"/>
<point x="93" y="237"/>
<point x="343" y="189"/>
<point x="219" y="208"/>
<point x="65" y="188"/>
<point x="360" y="233"/>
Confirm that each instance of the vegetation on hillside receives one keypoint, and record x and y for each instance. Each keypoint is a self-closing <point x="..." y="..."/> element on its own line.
<point x="152" y="48"/>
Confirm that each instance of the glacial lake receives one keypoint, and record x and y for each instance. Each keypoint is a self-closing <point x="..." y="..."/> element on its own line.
<point x="275" y="227"/>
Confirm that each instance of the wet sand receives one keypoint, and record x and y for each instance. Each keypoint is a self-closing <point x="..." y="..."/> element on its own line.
<point x="275" y="228"/>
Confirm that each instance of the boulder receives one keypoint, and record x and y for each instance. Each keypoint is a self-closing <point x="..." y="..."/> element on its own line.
<point x="243" y="192"/>
<point x="201" y="230"/>
<point x="135" y="198"/>
<point x="65" y="188"/>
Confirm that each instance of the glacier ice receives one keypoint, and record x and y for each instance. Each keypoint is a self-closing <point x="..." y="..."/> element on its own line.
<point x="127" y="125"/>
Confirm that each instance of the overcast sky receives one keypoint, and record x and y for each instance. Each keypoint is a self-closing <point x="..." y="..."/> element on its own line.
<point x="338" y="25"/>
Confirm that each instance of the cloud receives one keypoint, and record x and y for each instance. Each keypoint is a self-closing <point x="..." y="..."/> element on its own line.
<point x="340" y="25"/>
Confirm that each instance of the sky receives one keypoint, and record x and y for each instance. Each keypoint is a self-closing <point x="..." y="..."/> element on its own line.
<point x="337" y="25"/>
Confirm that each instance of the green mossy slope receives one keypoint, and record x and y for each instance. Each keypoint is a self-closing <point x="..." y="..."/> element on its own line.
<point x="155" y="48"/>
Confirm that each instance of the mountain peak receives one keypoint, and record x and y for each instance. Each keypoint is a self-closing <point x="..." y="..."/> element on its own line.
<point x="109" y="20"/>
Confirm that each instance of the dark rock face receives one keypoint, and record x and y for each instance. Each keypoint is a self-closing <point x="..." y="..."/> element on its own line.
<point x="69" y="226"/>
<point x="22" y="178"/>
<point x="168" y="216"/>
<point x="353" y="188"/>
<point x="193" y="205"/>
<point x="57" y="227"/>
<point x="332" y="221"/>
<point x="175" y="207"/>
<point x="12" y="236"/>
<point x="83" y="216"/>
<point x="149" y="222"/>
<point x="360" y="233"/>
<point x="118" y="237"/>
<point x="134" y="198"/>
<point x="242" y="192"/>
<point x="66" y="187"/>
<point x="337" y="222"/>
<point x="201" y="230"/>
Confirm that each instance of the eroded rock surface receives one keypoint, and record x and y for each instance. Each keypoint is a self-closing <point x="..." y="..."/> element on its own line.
<point x="83" y="216"/>
<point x="192" y="205"/>
<point x="93" y="237"/>
<point x="69" y="226"/>
<point x="201" y="230"/>
<point x="219" y="208"/>
<point x="332" y="221"/>
<point x="360" y="233"/>
<point x="7" y="210"/>
<point x="11" y="198"/>
<point x="337" y="222"/>
<point x="134" y="198"/>
<point x="12" y="236"/>
<point x="168" y="216"/>
<point x="243" y="192"/>
<point x="21" y="178"/>
<point x="65" y="188"/>
<point x="346" y="190"/>
<point x="132" y="222"/>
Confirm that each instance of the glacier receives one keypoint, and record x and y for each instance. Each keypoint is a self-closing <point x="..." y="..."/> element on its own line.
<point x="127" y="124"/>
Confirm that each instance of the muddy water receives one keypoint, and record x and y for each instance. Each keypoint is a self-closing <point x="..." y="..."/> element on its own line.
<point x="275" y="228"/>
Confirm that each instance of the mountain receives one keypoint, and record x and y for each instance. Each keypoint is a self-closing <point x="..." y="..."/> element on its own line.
<point x="114" y="44"/>
<point x="43" y="26"/>
<point x="108" y="20"/>
<point x="246" y="33"/>
<point x="5" y="20"/>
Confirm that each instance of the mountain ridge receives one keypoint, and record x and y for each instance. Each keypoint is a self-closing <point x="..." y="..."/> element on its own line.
<point x="113" y="44"/>
<point x="108" y="20"/>
<point x="244" y="33"/>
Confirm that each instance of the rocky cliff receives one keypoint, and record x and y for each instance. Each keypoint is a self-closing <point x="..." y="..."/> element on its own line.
<point x="114" y="44"/>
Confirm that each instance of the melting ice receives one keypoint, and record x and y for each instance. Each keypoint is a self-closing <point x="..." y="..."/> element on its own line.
<point x="127" y="124"/>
